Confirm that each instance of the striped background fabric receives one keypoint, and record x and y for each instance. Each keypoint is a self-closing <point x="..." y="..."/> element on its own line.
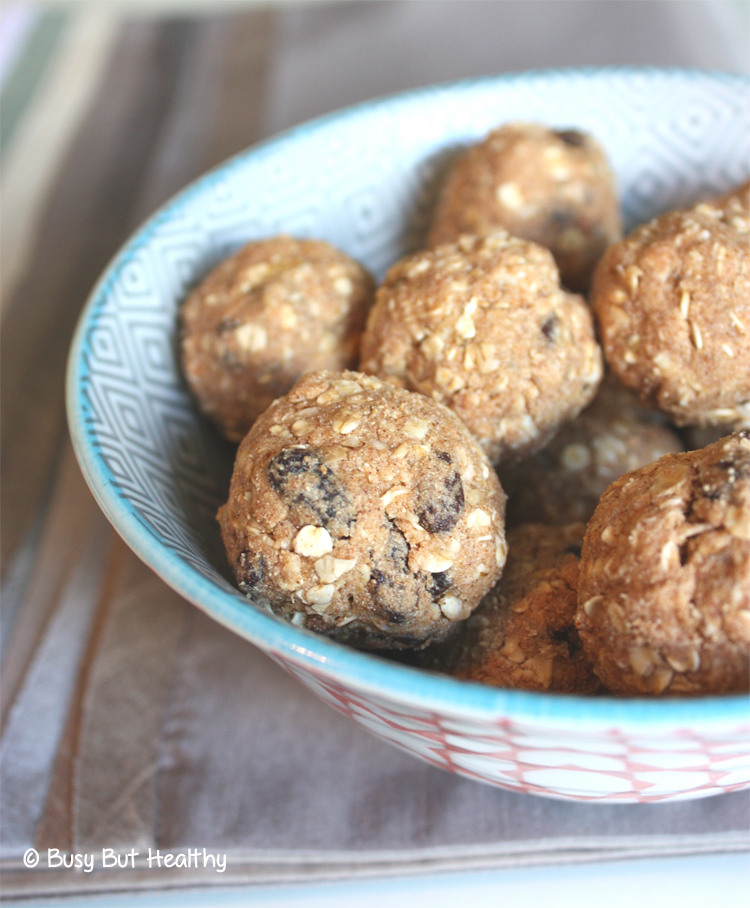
<point x="129" y="719"/>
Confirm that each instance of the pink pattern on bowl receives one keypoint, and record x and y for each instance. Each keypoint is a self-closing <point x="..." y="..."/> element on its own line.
<point x="613" y="765"/>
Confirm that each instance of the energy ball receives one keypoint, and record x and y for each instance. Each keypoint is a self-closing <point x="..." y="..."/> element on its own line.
<point x="673" y="305"/>
<point x="483" y="326"/>
<point x="563" y="482"/>
<point x="554" y="187"/>
<point x="364" y="512"/>
<point x="273" y="310"/>
<point x="664" y="592"/>
<point x="523" y="634"/>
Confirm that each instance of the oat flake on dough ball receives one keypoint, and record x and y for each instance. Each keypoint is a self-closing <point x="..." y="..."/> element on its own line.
<point x="483" y="326"/>
<point x="364" y="512"/>
<point x="275" y="309"/>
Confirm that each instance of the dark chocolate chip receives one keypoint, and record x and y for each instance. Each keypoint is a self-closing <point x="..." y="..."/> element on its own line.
<point x="290" y="462"/>
<point x="437" y="584"/>
<point x="440" y="499"/>
<point x="392" y="584"/>
<point x="311" y="489"/>
<point x="444" y="456"/>
<point x="571" y="137"/>
<point x="551" y="327"/>
<point x="251" y="568"/>
<point x="393" y="563"/>
<point x="398" y="548"/>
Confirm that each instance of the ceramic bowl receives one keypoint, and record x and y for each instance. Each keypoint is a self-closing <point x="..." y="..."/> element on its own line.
<point x="363" y="179"/>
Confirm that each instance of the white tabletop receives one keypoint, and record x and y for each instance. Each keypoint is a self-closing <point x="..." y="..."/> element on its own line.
<point x="687" y="882"/>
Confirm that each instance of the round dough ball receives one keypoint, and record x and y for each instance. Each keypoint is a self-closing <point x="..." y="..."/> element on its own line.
<point x="523" y="634"/>
<point x="483" y="326"/>
<point x="664" y="591"/>
<point x="673" y="305"/>
<point x="275" y="309"/>
<point x="364" y="512"/>
<point x="563" y="482"/>
<point x="554" y="187"/>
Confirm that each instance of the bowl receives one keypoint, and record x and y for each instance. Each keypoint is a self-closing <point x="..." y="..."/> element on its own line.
<point x="363" y="179"/>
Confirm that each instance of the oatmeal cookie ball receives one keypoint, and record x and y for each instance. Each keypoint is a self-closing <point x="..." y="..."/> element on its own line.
<point x="483" y="326"/>
<point x="273" y="310"/>
<point x="554" y="187"/>
<point x="364" y="512"/>
<point x="673" y="305"/>
<point x="563" y="482"/>
<point x="664" y="592"/>
<point x="523" y="632"/>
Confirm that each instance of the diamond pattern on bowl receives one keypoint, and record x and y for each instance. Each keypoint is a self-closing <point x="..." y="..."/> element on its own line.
<point x="515" y="757"/>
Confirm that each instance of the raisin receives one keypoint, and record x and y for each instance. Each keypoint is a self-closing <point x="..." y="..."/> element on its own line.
<point x="311" y="489"/>
<point x="440" y="499"/>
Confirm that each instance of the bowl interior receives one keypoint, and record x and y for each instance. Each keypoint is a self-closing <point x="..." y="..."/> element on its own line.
<point x="364" y="180"/>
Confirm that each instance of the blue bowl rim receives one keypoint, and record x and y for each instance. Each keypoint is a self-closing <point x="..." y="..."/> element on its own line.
<point x="354" y="669"/>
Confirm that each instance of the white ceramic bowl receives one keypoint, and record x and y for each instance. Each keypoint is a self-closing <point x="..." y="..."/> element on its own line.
<point x="362" y="179"/>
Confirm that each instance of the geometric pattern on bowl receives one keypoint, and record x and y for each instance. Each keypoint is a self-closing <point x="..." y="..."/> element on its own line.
<point x="611" y="765"/>
<point x="363" y="179"/>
